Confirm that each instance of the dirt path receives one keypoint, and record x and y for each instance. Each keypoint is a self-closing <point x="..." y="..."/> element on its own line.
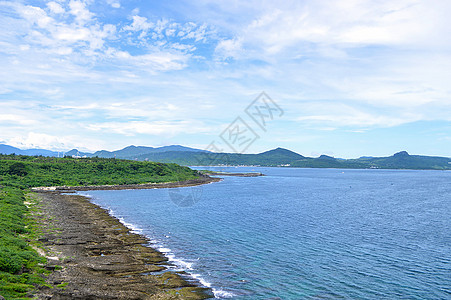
<point x="96" y="257"/>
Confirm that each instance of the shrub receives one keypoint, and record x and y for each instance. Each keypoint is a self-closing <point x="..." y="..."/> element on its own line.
<point x="18" y="168"/>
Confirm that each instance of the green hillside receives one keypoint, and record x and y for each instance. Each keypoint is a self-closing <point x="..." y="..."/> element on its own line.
<point x="133" y="152"/>
<point x="284" y="157"/>
<point x="270" y="158"/>
<point x="402" y="160"/>
<point x="29" y="171"/>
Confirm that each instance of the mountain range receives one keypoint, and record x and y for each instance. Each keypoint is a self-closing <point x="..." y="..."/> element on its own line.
<point x="276" y="157"/>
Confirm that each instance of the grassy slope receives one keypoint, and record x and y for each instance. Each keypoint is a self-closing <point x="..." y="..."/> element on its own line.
<point x="19" y="268"/>
<point x="29" y="171"/>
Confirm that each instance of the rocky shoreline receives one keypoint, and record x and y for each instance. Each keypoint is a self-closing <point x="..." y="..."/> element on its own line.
<point x="176" y="184"/>
<point x="94" y="256"/>
<point x="214" y="173"/>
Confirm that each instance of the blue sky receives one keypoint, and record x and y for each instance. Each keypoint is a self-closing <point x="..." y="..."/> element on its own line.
<point x="352" y="77"/>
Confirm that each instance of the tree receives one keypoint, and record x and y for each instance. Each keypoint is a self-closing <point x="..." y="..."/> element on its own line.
<point x="18" y="168"/>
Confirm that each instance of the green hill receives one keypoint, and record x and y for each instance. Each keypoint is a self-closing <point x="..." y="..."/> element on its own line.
<point x="402" y="160"/>
<point x="269" y="158"/>
<point x="133" y="152"/>
<point x="32" y="171"/>
<point x="284" y="157"/>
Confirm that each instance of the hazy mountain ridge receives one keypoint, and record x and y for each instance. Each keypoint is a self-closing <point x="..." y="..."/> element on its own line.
<point x="6" y="149"/>
<point x="275" y="157"/>
<point x="132" y="152"/>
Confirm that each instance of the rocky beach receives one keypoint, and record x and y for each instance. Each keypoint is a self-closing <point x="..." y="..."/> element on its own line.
<point x="94" y="256"/>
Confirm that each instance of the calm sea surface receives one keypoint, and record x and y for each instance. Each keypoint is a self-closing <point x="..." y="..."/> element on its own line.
<point x="303" y="233"/>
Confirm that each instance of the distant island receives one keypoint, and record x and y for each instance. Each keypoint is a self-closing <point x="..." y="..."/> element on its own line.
<point x="273" y="158"/>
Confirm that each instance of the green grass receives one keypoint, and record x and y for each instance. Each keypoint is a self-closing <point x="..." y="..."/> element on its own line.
<point x="20" y="272"/>
<point x="63" y="285"/>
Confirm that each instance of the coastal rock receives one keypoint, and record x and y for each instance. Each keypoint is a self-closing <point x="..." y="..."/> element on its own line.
<point x="100" y="258"/>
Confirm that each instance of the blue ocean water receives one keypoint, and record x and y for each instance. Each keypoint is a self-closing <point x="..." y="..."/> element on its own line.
<point x="304" y="233"/>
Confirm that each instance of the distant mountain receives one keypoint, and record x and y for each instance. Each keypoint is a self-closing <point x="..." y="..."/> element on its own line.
<point x="269" y="158"/>
<point x="326" y="157"/>
<point x="127" y="152"/>
<point x="130" y="152"/>
<point x="403" y="160"/>
<point x="43" y="152"/>
<point x="178" y="148"/>
<point x="133" y="152"/>
<point x="284" y="157"/>
<point x="75" y="152"/>
<point x="6" y="149"/>
<point x="276" y="157"/>
<point x="281" y="154"/>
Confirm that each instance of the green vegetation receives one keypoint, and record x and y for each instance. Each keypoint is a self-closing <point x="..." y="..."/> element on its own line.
<point x="20" y="264"/>
<point x="269" y="158"/>
<point x="32" y="171"/>
<point x="63" y="285"/>
<point x="283" y="157"/>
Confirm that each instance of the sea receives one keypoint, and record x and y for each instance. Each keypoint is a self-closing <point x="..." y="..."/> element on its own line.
<point x="302" y="233"/>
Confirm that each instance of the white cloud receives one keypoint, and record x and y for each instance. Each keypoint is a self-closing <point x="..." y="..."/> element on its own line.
<point x="89" y="106"/>
<point x="139" y="24"/>
<point x="55" y="8"/>
<point x="229" y="48"/>
<point x="64" y="43"/>
<point x="146" y="108"/>
<point x="81" y="13"/>
<point x="155" y="61"/>
<point x="36" y="15"/>
<point x="328" y="114"/>
<point x="15" y="119"/>
<point x="114" y="3"/>
<point x="385" y="57"/>
<point x="62" y="36"/>
<point x="36" y="140"/>
<point x="351" y="119"/>
<point x="72" y="34"/>
<point x="286" y="28"/>
<point x="162" y="31"/>
<point x="161" y="128"/>
<point x="198" y="33"/>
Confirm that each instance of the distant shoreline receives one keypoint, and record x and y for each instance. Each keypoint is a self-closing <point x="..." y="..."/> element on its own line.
<point x="216" y="173"/>
<point x="175" y="184"/>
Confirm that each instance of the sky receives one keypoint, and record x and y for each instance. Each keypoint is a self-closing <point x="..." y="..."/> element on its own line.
<point x="349" y="78"/>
